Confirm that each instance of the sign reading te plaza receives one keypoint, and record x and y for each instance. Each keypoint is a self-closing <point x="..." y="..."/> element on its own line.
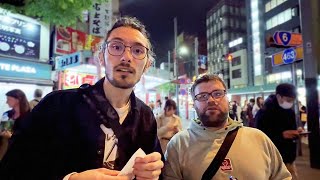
<point x="17" y="68"/>
<point x="24" y="69"/>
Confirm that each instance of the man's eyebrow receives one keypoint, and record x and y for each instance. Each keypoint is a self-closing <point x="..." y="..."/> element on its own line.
<point x="120" y="39"/>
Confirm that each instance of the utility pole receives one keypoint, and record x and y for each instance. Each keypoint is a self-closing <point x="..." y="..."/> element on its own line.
<point x="169" y="64"/>
<point x="310" y="25"/>
<point x="196" y="58"/>
<point x="176" y="73"/>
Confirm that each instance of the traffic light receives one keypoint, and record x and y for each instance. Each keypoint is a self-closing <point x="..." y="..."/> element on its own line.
<point x="229" y="57"/>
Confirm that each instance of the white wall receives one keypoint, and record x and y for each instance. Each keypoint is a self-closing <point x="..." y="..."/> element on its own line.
<point x="244" y="69"/>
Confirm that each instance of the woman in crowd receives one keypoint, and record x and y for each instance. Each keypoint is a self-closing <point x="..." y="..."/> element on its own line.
<point x="168" y="123"/>
<point x="257" y="106"/>
<point x="11" y="120"/>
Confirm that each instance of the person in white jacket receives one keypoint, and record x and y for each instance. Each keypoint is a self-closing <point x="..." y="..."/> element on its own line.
<point x="190" y="152"/>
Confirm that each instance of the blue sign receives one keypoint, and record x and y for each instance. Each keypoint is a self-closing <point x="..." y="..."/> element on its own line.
<point x="289" y="55"/>
<point x="67" y="61"/>
<point x="285" y="37"/>
<point x="24" y="69"/>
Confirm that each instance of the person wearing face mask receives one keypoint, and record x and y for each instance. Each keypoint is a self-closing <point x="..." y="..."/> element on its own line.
<point x="277" y="120"/>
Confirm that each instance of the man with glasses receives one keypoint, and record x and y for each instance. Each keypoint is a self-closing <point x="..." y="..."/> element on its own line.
<point x="91" y="132"/>
<point x="190" y="152"/>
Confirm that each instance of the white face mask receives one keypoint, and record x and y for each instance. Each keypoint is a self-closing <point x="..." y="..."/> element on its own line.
<point x="286" y="105"/>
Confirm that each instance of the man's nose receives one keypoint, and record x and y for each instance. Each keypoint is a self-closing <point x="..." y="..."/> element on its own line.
<point x="127" y="55"/>
<point x="212" y="99"/>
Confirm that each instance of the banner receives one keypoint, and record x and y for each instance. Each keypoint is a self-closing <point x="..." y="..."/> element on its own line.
<point x="69" y="40"/>
<point x="75" y="80"/>
<point x="19" y="38"/>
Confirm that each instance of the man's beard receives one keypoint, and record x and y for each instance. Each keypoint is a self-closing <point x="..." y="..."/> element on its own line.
<point x="212" y="121"/>
<point x="124" y="82"/>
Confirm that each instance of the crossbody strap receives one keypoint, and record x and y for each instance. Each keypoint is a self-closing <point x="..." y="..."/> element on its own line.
<point x="223" y="151"/>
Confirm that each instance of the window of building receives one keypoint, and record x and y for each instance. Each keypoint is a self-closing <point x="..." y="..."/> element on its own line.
<point x="236" y="73"/>
<point x="268" y="6"/>
<point x="287" y="15"/>
<point x="272" y="4"/>
<point x="268" y="24"/>
<point x="279" y="19"/>
<point x="295" y="11"/>
<point x="224" y="22"/>
<point x="223" y="9"/>
<point x="236" y="61"/>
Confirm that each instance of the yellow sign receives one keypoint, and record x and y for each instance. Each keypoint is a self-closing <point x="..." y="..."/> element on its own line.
<point x="277" y="58"/>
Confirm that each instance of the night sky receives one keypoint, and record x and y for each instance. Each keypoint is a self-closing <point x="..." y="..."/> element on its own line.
<point x="158" y="16"/>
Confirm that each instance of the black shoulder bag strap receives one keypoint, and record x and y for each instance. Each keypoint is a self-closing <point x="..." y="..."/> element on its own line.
<point x="95" y="105"/>
<point x="221" y="154"/>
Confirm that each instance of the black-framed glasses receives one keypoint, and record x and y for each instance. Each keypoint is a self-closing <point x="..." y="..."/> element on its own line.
<point x="216" y="94"/>
<point x="117" y="48"/>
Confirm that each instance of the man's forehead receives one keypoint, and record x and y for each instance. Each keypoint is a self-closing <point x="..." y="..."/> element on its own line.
<point x="209" y="86"/>
<point x="128" y="35"/>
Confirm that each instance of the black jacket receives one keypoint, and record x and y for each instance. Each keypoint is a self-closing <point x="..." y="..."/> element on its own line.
<point x="63" y="135"/>
<point x="273" y="120"/>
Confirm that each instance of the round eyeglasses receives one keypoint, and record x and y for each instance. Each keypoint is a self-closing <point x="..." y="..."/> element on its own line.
<point x="216" y="94"/>
<point x="117" y="48"/>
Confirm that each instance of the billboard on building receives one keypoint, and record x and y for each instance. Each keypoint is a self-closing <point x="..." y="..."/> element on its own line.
<point x="19" y="38"/>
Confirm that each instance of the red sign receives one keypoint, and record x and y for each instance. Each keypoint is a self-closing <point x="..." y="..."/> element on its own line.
<point x="75" y="80"/>
<point x="69" y="40"/>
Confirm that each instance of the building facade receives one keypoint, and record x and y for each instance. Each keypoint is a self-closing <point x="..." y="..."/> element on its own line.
<point x="264" y="19"/>
<point x="226" y="22"/>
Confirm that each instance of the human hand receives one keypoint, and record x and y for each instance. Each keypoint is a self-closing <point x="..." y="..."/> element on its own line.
<point x="290" y="134"/>
<point x="98" y="174"/>
<point x="148" y="167"/>
<point x="6" y="134"/>
<point x="300" y="129"/>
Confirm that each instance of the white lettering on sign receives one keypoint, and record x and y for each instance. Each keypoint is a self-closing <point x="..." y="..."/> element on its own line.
<point x="17" y="68"/>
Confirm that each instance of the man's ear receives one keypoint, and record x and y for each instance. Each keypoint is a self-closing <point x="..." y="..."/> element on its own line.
<point x="147" y="66"/>
<point x="101" y="58"/>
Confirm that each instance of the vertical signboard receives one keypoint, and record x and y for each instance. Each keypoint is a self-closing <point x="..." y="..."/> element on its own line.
<point x="101" y="18"/>
<point x="19" y="38"/>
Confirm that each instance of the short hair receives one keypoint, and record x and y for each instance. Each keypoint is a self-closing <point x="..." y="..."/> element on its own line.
<point x="38" y="93"/>
<point x="286" y="89"/>
<point x="24" y="106"/>
<point x="252" y="100"/>
<point x="134" y="23"/>
<point x="170" y="103"/>
<point x="206" y="78"/>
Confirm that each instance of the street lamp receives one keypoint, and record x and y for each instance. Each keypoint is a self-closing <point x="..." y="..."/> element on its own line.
<point x="183" y="50"/>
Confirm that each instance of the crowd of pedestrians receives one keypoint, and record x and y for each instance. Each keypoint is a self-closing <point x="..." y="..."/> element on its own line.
<point x="92" y="131"/>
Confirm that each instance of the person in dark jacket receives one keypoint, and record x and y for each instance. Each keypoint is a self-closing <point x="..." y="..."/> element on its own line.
<point x="92" y="132"/>
<point x="12" y="119"/>
<point x="277" y="120"/>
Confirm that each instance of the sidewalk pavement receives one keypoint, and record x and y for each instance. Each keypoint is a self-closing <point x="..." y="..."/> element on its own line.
<point x="305" y="172"/>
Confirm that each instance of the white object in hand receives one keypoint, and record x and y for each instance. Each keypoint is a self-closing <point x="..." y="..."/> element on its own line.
<point x="128" y="168"/>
